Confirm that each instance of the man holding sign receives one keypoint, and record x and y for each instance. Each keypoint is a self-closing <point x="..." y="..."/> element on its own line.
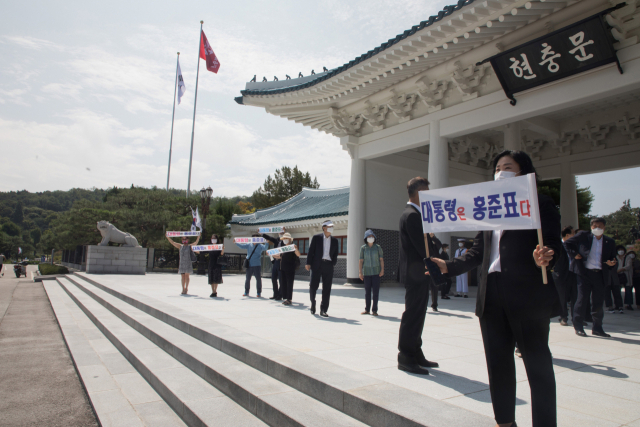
<point x="513" y="302"/>
<point x="275" y="262"/>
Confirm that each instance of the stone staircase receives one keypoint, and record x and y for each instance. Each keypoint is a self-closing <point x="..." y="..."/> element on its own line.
<point x="210" y="374"/>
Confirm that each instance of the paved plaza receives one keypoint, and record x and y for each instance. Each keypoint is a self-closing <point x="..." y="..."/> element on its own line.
<point x="597" y="379"/>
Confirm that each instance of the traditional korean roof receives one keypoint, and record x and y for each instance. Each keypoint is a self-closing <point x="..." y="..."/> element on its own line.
<point x="308" y="204"/>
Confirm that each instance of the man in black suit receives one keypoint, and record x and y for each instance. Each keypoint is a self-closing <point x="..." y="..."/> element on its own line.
<point x="594" y="258"/>
<point x="444" y="255"/>
<point x="411" y="269"/>
<point x="564" y="279"/>
<point x="275" y="267"/>
<point x="322" y="257"/>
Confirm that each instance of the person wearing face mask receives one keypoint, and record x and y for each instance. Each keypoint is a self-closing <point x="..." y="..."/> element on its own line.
<point x="322" y="257"/>
<point x="289" y="262"/>
<point x="594" y="259"/>
<point x="371" y="270"/>
<point x="513" y="304"/>
<point x="254" y="254"/>
<point x="185" y="265"/>
<point x="214" y="270"/>
<point x="564" y="280"/>
<point x="462" y="285"/>
<point x="275" y="266"/>
<point x="625" y="275"/>
<point x="615" y="289"/>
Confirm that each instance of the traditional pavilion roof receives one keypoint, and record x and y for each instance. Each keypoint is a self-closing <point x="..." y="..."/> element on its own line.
<point x="308" y="204"/>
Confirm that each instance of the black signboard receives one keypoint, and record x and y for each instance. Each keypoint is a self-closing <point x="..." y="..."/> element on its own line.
<point x="574" y="49"/>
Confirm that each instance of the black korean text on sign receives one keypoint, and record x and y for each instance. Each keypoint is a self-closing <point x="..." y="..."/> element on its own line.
<point x="574" y="49"/>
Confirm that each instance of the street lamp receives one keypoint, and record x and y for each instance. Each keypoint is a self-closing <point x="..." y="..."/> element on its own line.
<point x="205" y="196"/>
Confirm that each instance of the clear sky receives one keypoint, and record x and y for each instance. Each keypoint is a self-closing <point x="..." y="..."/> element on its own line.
<point x="86" y="91"/>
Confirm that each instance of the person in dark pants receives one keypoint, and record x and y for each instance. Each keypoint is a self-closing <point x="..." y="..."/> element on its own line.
<point x="434" y="288"/>
<point x="411" y="269"/>
<point x="594" y="257"/>
<point x="322" y="257"/>
<point x="254" y="253"/>
<point x="444" y="255"/>
<point x="289" y="261"/>
<point x="371" y="268"/>
<point x="565" y="280"/>
<point x="275" y="267"/>
<point x="513" y="304"/>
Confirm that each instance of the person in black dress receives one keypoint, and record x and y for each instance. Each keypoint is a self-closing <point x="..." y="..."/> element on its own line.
<point x="513" y="304"/>
<point x="288" y="264"/>
<point x="215" y="270"/>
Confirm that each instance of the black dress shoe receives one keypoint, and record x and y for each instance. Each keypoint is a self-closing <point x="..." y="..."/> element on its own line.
<point x="601" y="334"/>
<point x="428" y="364"/>
<point x="434" y="308"/>
<point x="323" y="313"/>
<point x="278" y="299"/>
<point x="313" y="308"/>
<point x="581" y="334"/>
<point x="273" y="297"/>
<point x="445" y="297"/>
<point x="413" y="368"/>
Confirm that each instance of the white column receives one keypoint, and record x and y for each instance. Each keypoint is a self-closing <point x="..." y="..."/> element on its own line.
<point x="568" y="197"/>
<point x="512" y="139"/>
<point x="357" y="214"/>
<point x="438" y="174"/>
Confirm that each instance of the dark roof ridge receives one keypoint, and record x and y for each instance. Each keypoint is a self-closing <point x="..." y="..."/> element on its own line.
<point x="446" y="11"/>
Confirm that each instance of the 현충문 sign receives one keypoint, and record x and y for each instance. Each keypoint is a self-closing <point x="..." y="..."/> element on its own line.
<point x="281" y="249"/>
<point x="182" y="233"/>
<point x="250" y="240"/>
<point x="507" y="204"/>
<point x="206" y="248"/>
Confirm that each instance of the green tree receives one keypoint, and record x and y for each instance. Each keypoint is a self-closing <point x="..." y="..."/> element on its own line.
<point x="18" y="213"/>
<point x="11" y="229"/>
<point x="36" y="234"/>
<point x="551" y="188"/>
<point x="620" y="223"/>
<point x="285" y="184"/>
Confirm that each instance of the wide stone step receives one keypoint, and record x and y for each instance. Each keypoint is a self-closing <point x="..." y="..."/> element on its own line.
<point x="193" y="399"/>
<point x="270" y="400"/>
<point x="372" y="401"/>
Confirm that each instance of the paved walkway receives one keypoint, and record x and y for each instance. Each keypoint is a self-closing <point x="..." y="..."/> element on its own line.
<point x="38" y="382"/>
<point x="598" y="380"/>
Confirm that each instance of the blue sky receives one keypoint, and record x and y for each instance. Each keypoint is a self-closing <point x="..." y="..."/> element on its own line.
<point x="86" y="91"/>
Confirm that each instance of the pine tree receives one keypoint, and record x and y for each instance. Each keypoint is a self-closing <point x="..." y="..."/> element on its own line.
<point x="285" y="184"/>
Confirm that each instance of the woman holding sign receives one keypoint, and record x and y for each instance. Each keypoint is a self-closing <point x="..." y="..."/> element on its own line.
<point x="289" y="262"/>
<point x="215" y="270"/>
<point x="185" y="266"/>
<point x="513" y="303"/>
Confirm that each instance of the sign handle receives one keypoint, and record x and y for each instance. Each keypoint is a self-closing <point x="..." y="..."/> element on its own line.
<point x="426" y="244"/>
<point x="544" y="269"/>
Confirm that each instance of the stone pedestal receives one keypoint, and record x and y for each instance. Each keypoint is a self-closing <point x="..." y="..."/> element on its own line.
<point x="116" y="260"/>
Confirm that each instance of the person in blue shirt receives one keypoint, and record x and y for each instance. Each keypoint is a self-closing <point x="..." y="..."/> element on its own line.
<point x="254" y="253"/>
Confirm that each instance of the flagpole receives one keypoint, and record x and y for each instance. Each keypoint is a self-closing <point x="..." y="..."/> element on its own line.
<point x="175" y="89"/>
<point x="193" y="126"/>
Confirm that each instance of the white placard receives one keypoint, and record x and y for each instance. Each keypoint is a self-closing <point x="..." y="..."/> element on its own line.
<point x="250" y="240"/>
<point x="281" y="249"/>
<point x="507" y="204"/>
<point x="206" y="248"/>
<point x="182" y="233"/>
<point x="271" y="230"/>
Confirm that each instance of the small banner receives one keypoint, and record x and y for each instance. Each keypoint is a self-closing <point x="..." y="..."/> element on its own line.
<point x="207" y="248"/>
<point x="266" y="230"/>
<point x="282" y="249"/>
<point x="182" y="233"/>
<point x="507" y="204"/>
<point x="577" y="48"/>
<point x="250" y="240"/>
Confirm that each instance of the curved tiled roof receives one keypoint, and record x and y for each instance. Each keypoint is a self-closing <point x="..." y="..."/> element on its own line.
<point x="308" y="204"/>
<point x="446" y="11"/>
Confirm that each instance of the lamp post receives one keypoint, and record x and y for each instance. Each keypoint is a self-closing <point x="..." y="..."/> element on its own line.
<point x="205" y="196"/>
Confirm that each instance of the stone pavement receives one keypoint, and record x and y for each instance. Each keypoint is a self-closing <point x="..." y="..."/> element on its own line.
<point x="597" y="379"/>
<point x="38" y="382"/>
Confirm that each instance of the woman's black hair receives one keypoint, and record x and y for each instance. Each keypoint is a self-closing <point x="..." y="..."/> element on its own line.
<point x="215" y="235"/>
<point x="621" y="247"/>
<point x="521" y="158"/>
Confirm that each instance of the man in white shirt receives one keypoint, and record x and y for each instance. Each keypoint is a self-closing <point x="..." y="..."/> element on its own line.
<point x="462" y="281"/>
<point x="322" y="257"/>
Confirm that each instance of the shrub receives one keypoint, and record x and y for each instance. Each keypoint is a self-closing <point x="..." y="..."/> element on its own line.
<point x="46" y="269"/>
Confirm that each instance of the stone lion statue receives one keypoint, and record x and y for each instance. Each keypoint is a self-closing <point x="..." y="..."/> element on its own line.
<point x="111" y="234"/>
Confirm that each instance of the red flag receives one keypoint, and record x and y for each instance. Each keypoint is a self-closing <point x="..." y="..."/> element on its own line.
<point x="207" y="53"/>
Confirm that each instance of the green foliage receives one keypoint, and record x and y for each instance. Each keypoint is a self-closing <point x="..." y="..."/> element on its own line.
<point x="18" y="213"/>
<point x="285" y="184"/>
<point x="11" y="229"/>
<point x="551" y="188"/>
<point x="620" y="223"/>
<point x="46" y="269"/>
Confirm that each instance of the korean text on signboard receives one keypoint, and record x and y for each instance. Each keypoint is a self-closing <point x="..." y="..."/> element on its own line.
<point x="508" y="204"/>
<point x="281" y="250"/>
<point x="182" y="233"/>
<point x="206" y="248"/>
<point x="250" y="240"/>
<point x="271" y="230"/>
<point x="573" y="49"/>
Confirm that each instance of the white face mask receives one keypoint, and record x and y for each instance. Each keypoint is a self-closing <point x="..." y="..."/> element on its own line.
<point x="214" y="241"/>
<point x="329" y="230"/>
<point x="620" y="253"/>
<point x="503" y="175"/>
<point x="597" y="231"/>
<point x="371" y="239"/>
<point x="286" y="241"/>
<point x="632" y="256"/>
<point x="461" y="245"/>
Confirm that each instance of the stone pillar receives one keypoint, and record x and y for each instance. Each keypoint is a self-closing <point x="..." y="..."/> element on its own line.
<point x="438" y="174"/>
<point x="512" y="140"/>
<point x="568" y="197"/>
<point x="357" y="211"/>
